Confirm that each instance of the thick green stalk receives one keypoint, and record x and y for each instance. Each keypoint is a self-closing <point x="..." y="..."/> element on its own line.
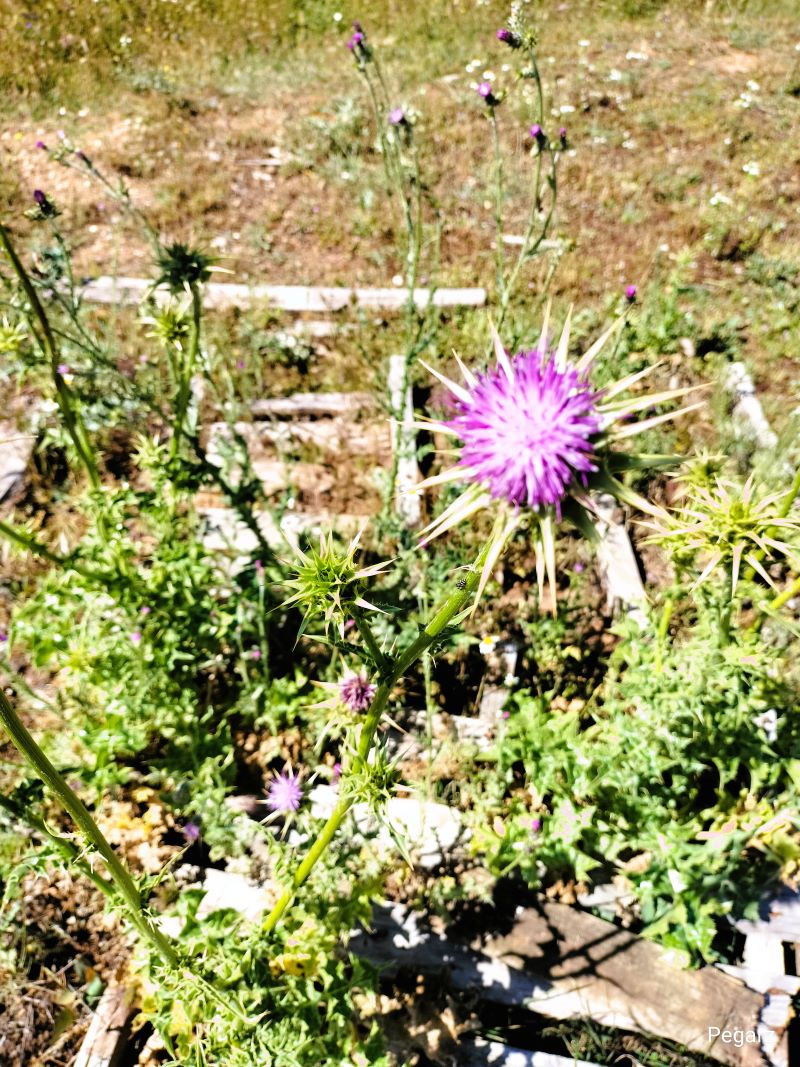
<point x="454" y="604"/>
<point x="76" y="809"/>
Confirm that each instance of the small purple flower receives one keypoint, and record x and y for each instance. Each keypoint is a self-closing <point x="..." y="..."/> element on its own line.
<point x="259" y="566"/>
<point x="630" y="293"/>
<point x="579" y="567"/>
<point x="337" y="771"/>
<point x="357" y="42"/>
<point x="136" y="638"/>
<point x="285" y="793"/>
<point x="144" y="610"/>
<point x="191" y="831"/>
<point x="3" y="637"/>
<point x="527" y="432"/>
<point x="240" y="364"/>
<point x="537" y="133"/>
<point x="42" y="145"/>
<point x="255" y="653"/>
<point x="536" y="825"/>
<point x="40" y="197"/>
<point x="397" y="116"/>
<point x="485" y="90"/>
<point x="513" y="40"/>
<point x="63" y="369"/>
<point x="356" y="692"/>
<point x="562" y="136"/>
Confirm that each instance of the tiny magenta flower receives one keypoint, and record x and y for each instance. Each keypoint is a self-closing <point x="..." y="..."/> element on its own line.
<point x="397" y="116"/>
<point x="536" y="825"/>
<point x="537" y="133"/>
<point x="191" y="831"/>
<point x="630" y="293"/>
<point x="337" y="771"/>
<point x="485" y="90"/>
<point x="63" y="369"/>
<point x="356" y="691"/>
<point x="255" y="652"/>
<point x="513" y="40"/>
<point x="40" y="197"/>
<point x="285" y="793"/>
<point x="579" y="567"/>
<point x="41" y="144"/>
<point x="144" y="610"/>
<point x="136" y="638"/>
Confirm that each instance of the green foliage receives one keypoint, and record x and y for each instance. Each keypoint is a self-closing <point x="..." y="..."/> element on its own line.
<point x="672" y="782"/>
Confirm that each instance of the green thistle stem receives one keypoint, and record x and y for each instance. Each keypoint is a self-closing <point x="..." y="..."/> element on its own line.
<point x="70" y="851"/>
<point x="47" y="342"/>
<point x="185" y="375"/>
<point x="76" y="809"/>
<point x="395" y="670"/>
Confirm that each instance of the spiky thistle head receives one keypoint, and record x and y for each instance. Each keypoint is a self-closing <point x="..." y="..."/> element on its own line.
<point x="536" y="438"/>
<point x="328" y="582"/>
<point x="183" y="267"/>
<point x="725" y="525"/>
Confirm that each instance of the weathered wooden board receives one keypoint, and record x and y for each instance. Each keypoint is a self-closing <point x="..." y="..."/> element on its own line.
<point x="562" y="963"/>
<point x="107" y="1037"/>
<point x="295" y="298"/>
<point x="312" y="404"/>
<point x="16" y="450"/>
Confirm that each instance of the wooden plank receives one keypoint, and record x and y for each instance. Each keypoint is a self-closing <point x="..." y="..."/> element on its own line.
<point x="312" y="404"/>
<point x="619" y="570"/>
<point x="494" y="1054"/>
<point x="294" y="298"/>
<point x="563" y="963"/>
<point x="108" y="1033"/>
<point x="16" y="450"/>
<point x="408" y="503"/>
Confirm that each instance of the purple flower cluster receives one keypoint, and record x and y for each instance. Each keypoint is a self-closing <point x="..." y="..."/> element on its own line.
<point x="356" y="692"/>
<point x="527" y="430"/>
<point x="630" y="293"/>
<point x="285" y="793"/>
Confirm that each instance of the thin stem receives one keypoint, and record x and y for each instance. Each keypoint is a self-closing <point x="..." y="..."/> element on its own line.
<point x="72" y="420"/>
<point x="498" y="207"/>
<point x="185" y="375"/>
<point x="76" y="809"/>
<point x="454" y="604"/>
<point x="68" y="849"/>
<point x="368" y="637"/>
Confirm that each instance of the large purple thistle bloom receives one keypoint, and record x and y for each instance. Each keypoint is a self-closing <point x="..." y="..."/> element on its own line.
<point x="526" y="435"/>
<point x="285" y="793"/>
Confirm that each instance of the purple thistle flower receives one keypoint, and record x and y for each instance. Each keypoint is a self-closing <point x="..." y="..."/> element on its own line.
<point x="337" y="771"/>
<point x="579" y="567"/>
<point x="630" y="293"/>
<point x="3" y="637"/>
<point x="144" y="610"/>
<point x="485" y="90"/>
<point x="41" y="144"/>
<point x="536" y="825"/>
<point x="63" y="368"/>
<point x="526" y="434"/>
<point x="513" y="40"/>
<point x="191" y="831"/>
<point x="255" y="652"/>
<point x="562" y="134"/>
<point x="356" y="692"/>
<point x="285" y="793"/>
<point x="397" y="116"/>
<point x="136" y="638"/>
<point x="537" y="133"/>
<point x="40" y="197"/>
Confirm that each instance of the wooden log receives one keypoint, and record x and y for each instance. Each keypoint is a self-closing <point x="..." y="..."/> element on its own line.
<point x="563" y="963"/>
<point x="294" y="298"/>
<point x="107" y="1037"/>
